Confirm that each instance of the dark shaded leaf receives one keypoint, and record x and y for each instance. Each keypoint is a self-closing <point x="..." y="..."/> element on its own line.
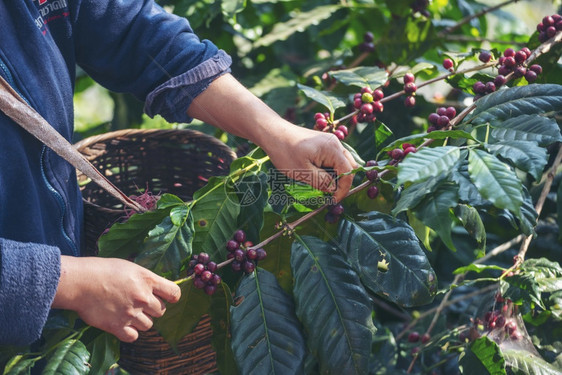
<point x="181" y="317"/>
<point x="266" y="334"/>
<point x="221" y="324"/>
<point x="333" y="307"/>
<point x="105" y="353"/>
<point x="169" y="243"/>
<point x="435" y="211"/>
<point x="472" y="222"/>
<point x="527" y="156"/>
<point x="379" y="240"/>
<point x="516" y="101"/>
<point x="530" y="128"/>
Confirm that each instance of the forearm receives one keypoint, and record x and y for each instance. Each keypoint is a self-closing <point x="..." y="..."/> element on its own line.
<point x="228" y="105"/>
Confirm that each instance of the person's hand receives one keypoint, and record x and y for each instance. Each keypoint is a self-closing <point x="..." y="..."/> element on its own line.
<point x="304" y="154"/>
<point x="299" y="152"/>
<point x="114" y="295"/>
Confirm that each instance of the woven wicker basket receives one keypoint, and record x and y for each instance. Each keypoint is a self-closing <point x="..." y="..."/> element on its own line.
<point x="166" y="161"/>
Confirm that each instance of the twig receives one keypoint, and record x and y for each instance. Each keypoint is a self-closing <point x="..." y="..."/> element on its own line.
<point x="520" y="257"/>
<point x="467" y="19"/>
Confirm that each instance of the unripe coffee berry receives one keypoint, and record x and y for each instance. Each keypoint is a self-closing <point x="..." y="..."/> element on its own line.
<point x="367" y="97"/>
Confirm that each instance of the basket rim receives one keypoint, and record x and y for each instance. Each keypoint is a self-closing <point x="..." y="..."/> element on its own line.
<point x="91" y="140"/>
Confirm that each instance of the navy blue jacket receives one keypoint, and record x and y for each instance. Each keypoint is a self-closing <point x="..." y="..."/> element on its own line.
<point x="125" y="45"/>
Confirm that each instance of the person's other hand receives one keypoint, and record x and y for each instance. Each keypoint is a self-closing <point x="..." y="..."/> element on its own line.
<point x="114" y="295"/>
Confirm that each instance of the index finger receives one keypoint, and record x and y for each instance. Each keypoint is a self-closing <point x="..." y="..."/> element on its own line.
<point x="344" y="163"/>
<point x="167" y="290"/>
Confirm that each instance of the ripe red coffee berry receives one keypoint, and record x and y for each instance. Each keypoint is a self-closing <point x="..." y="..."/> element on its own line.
<point x="212" y="266"/>
<point x="410" y="101"/>
<point x="372" y="175"/>
<point x="504" y="70"/>
<point x="536" y="68"/>
<point x="500" y="80"/>
<point x="343" y="129"/>
<point x="203" y="258"/>
<point x="519" y="71"/>
<point x="240" y="236"/>
<point x="548" y="21"/>
<point x="216" y="279"/>
<point x="509" y="52"/>
<point x="409" y="150"/>
<point x="198" y="283"/>
<point x="357" y="103"/>
<point x="520" y="57"/>
<point x="321" y="123"/>
<point x="530" y="76"/>
<point x="479" y="87"/>
<point x="550" y="31"/>
<point x="397" y="154"/>
<point x="485" y="56"/>
<point x="451" y="112"/>
<point x="526" y="50"/>
<point x="318" y="115"/>
<point x="239" y="255"/>
<point x="232" y="245"/>
<point x="409" y="77"/>
<point x="366" y="89"/>
<point x="249" y="267"/>
<point x="368" y="37"/>
<point x="448" y="64"/>
<point x="372" y="192"/>
<point x="252" y="254"/>
<point x="378" y="107"/>
<point x="210" y="290"/>
<point x="378" y="94"/>
<point x="510" y="62"/>
<point x="206" y="275"/>
<point x="261" y="254"/>
<point x="236" y="266"/>
<point x="558" y="25"/>
<point x="366" y="108"/>
<point x="443" y="121"/>
<point x="433" y="118"/>
<point x="410" y="88"/>
<point x="198" y="269"/>
<point x="338" y="133"/>
<point x="441" y="111"/>
<point x="371" y="163"/>
<point x="338" y="209"/>
<point x="490" y="87"/>
<point x="425" y="338"/>
<point x="413" y="337"/>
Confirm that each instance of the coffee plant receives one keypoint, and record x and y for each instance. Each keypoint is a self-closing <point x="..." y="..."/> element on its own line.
<point x="444" y="258"/>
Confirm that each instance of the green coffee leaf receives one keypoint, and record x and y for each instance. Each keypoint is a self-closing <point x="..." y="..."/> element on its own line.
<point x="531" y="128"/>
<point x="427" y="163"/>
<point x="482" y="357"/>
<point x="327" y="99"/>
<point x="70" y="357"/>
<point x="495" y="181"/>
<point x="361" y="76"/>
<point x="266" y="334"/>
<point x="526" y="156"/>
<point x="389" y="258"/>
<point x="333" y="307"/>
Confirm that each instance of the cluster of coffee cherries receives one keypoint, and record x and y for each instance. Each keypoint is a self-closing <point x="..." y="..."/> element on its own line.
<point x="368" y="44"/>
<point x="204" y="270"/>
<point x="415" y="337"/>
<point x="334" y="213"/>
<point x="323" y="122"/>
<point x="397" y="154"/>
<point x="373" y="176"/>
<point x="441" y="118"/>
<point x="500" y="321"/>
<point x="549" y="26"/>
<point x="410" y="89"/>
<point x="368" y="102"/>
<point x="245" y="256"/>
